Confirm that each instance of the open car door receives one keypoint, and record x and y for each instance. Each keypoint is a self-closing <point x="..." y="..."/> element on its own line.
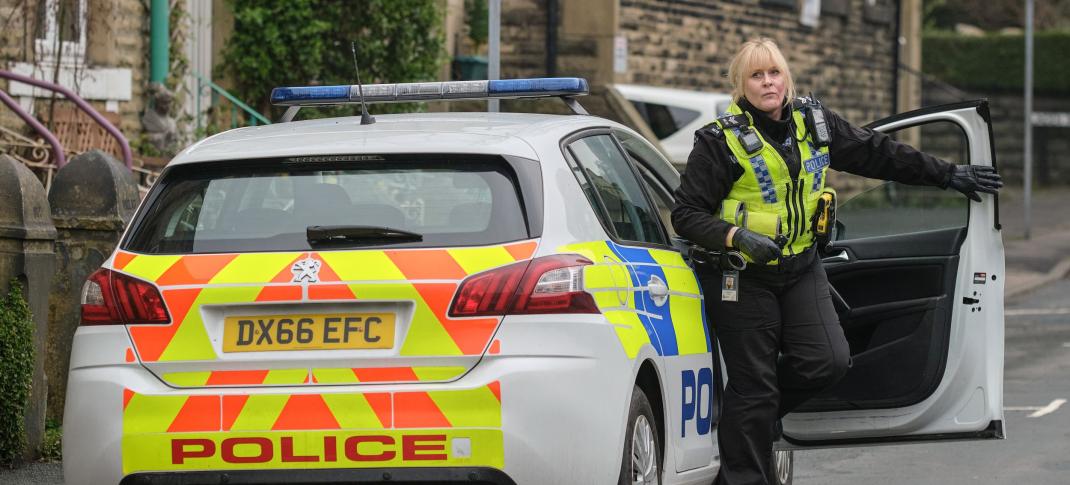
<point x="917" y="276"/>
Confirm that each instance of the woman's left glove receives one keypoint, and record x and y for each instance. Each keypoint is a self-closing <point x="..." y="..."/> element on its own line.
<point x="970" y="180"/>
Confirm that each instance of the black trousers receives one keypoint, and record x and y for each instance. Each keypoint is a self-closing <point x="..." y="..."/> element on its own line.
<point x="782" y="344"/>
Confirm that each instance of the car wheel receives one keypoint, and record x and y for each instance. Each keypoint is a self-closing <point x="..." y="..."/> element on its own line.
<point x="783" y="466"/>
<point x="641" y="463"/>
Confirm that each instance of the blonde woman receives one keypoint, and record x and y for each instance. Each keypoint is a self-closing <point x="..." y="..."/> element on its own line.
<point x="765" y="162"/>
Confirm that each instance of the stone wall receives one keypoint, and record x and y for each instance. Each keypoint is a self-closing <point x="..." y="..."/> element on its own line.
<point x="848" y="61"/>
<point x="117" y="36"/>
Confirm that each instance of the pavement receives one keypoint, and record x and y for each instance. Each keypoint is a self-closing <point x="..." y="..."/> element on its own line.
<point x="1031" y="265"/>
<point x="1045" y="256"/>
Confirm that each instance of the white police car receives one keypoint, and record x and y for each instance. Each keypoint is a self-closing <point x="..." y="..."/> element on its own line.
<point x="478" y="298"/>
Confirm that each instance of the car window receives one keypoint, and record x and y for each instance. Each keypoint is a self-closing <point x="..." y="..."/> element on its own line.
<point x="613" y="190"/>
<point x="661" y="185"/>
<point x="268" y="206"/>
<point x="664" y="120"/>
<point x="872" y="208"/>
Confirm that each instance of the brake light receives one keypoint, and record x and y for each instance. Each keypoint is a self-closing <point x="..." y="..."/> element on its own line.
<point x="550" y="284"/>
<point x="110" y="298"/>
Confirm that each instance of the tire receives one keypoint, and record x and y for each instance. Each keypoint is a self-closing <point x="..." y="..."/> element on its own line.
<point x="641" y="458"/>
<point x="783" y="466"/>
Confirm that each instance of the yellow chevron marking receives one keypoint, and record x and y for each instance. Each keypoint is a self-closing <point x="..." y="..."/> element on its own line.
<point x="151" y="414"/>
<point x="279" y="377"/>
<point x="437" y="373"/>
<point x="149" y="267"/>
<point x="362" y="265"/>
<point x="474" y="260"/>
<point x="260" y="412"/>
<point x="335" y="376"/>
<point x="426" y="335"/>
<point x="187" y="379"/>
<point x="473" y="408"/>
<point x="191" y="340"/>
<point x="254" y="268"/>
<point x="352" y="411"/>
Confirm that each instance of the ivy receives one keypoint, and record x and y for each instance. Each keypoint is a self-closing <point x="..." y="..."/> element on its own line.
<point x="16" y="371"/>
<point x="305" y="42"/>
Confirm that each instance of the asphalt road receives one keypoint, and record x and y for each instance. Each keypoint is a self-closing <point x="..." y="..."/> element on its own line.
<point x="1037" y="449"/>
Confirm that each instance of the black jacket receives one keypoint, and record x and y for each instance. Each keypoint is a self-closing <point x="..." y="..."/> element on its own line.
<point x="711" y="169"/>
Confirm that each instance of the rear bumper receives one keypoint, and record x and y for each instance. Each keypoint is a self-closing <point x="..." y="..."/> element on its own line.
<point x="557" y="416"/>
<point x="468" y="475"/>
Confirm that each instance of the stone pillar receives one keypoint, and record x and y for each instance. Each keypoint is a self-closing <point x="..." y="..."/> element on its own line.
<point x="26" y="253"/>
<point x="92" y="199"/>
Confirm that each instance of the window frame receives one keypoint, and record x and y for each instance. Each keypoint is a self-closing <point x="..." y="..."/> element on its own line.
<point x="70" y="51"/>
<point x="597" y="204"/>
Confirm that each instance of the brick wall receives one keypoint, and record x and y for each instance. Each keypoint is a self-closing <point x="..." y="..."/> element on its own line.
<point x="848" y="61"/>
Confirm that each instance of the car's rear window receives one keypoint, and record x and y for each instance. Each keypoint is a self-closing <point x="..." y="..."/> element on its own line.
<point x="268" y="205"/>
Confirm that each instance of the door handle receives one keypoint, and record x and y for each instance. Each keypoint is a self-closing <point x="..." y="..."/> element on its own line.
<point x="838" y="257"/>
<point x="659" y="291"/>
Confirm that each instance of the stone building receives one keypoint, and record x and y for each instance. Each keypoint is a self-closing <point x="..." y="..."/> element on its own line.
<point x="847" y="54"/>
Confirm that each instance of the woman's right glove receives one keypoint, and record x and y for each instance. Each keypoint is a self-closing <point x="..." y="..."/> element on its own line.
<point x="759" y="248"/>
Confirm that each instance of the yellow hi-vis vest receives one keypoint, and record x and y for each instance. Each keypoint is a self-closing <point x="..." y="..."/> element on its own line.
<point x="765" y="199"/>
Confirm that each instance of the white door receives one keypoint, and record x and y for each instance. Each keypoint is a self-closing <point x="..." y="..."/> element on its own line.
<point x="918" y="278"/>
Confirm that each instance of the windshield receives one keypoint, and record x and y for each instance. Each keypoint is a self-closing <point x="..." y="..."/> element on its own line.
<point x="268" y="206"/>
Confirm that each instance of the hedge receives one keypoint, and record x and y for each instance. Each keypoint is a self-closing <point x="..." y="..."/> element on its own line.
<point x="16" y="371"/>
<point x="996" y="62"/>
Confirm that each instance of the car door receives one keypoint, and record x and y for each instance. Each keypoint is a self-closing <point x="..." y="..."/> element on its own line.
<point x="691" y="382"/>
<point x="917" y="277"/>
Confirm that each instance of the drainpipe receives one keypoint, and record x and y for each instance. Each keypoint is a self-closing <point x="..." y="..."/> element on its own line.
<point x="160" y="39"/>
<point x="551" y="38"/>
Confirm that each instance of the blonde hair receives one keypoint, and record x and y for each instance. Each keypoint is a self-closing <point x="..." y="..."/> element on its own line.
<point x="760" y="52"/>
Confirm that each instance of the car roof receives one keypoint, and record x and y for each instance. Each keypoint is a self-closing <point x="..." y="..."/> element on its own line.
<point x="514" y="134"/>
<point x="679" y="97"/>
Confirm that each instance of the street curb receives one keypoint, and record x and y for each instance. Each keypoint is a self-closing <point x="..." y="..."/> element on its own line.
<point x="1056" y="273"/>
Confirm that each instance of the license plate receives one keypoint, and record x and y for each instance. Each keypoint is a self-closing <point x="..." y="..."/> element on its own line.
<point x="308" y="332"/>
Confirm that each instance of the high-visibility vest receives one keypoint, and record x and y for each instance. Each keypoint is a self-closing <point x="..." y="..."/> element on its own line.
<point x="766" y="199"/>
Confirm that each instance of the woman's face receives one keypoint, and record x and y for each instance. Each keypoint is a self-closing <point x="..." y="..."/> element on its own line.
<point x="764" y="88"/>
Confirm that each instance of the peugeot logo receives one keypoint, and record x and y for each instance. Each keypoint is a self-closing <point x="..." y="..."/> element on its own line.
<point x="307" y="270"/>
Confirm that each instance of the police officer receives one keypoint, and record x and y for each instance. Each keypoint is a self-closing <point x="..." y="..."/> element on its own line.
<point x="763" y="166"/>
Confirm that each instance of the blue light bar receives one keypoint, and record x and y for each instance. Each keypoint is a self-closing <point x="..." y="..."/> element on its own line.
<point x="435" y="91"/>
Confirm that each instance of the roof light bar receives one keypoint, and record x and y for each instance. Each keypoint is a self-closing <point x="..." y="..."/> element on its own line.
<point x="434" y="91"/>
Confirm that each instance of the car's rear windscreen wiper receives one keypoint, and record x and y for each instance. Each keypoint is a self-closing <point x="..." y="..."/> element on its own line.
<point x="359" y="235"/>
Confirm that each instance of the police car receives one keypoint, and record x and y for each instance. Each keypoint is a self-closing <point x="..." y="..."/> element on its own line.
<point x="480" y="298"/>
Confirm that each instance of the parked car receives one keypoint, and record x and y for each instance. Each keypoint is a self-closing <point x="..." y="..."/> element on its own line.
<point x="480" y="298"/>
<point x="674" y="115"/>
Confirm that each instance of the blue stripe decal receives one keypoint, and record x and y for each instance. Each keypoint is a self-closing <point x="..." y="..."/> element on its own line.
<point x="637" y="295"/>
<point x="663" y="327"/>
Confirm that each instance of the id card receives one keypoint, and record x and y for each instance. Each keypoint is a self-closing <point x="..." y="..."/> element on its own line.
<point x="730" y="286"/>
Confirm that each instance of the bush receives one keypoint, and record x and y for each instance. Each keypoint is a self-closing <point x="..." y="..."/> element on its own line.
<point x="302" y="42"/>
<point x="996" y="62"/>
<point x="16" y="371"/>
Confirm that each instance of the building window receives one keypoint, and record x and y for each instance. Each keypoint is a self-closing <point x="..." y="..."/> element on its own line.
<point x="61" y="26"/>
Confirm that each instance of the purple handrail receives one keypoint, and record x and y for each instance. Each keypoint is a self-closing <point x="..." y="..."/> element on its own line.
<point x="61" y="160"/>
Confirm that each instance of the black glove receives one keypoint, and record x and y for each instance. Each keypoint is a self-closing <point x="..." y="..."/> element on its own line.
<point x="760" y="248"/>
<point x="970" y="179"/>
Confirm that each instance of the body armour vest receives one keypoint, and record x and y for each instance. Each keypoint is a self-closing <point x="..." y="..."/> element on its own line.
<point x="766" y="199"/>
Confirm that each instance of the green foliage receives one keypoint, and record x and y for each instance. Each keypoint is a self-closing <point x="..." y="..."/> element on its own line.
<point x="52" y="449"/>
<point x="996" y="62"/>
<point x="476" y="16"/>
<point x="16" y="371"/>
<point x="303" y="42"/>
